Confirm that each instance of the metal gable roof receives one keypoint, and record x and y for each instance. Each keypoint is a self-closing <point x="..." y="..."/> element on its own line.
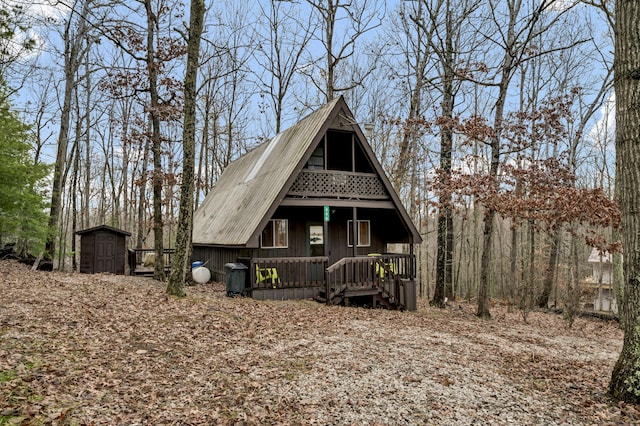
<point x="248" y="187"/>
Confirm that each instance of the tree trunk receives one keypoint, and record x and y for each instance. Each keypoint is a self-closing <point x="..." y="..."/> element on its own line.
<point x="156" y="142"/>
<point x="485" y="266"/>
<point x="547" y="285"/>
<point x="72" y="54"/>
<point x="625" y="379"/>
<point x="439" y="297"/>
<point x="618" y="277"/>
<point x="180" y="267"/>
<point x="74" y="207"/>
<point x="444" y="275"/>
<point x="142" y="196"/>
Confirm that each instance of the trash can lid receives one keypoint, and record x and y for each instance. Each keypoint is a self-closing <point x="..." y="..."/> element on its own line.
<point x="235" y="265"/>
<point x="196" y="264"/>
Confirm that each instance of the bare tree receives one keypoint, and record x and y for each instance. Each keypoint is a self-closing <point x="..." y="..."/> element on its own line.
<point x="412" y="69"/>
<point x="344" y="23"/>
<point x="185" y="220"/>
<point x="226" y="93"/>
<point x="153" y="46"/>
<point x="76" y="31"/>
<point x="442" y="25"/>
<point x="156" y="139"/>
<point x="515" y="39"/>
<point x="279" y="56"/>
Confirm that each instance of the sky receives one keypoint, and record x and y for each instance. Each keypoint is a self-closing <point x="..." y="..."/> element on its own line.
<point x="44" y="10"/>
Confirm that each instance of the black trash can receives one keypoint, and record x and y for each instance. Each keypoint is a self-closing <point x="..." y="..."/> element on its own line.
<point x="408" y="295"/>
<point x="235" y="278"/>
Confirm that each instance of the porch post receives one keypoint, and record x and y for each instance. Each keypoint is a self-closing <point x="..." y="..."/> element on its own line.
<point x="327" y="287"/>
<point x="411" y="253"/>
<point x="325" y="231"/>
<point x="354" y="229"/>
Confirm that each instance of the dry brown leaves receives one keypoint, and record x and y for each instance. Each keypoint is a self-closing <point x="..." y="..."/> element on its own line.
<point x="102" y="349"/>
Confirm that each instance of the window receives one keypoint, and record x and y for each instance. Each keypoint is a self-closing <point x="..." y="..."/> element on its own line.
<point x="316" y="161"/>
<point x="364" y="233"/>
<point x="275" y="234"/>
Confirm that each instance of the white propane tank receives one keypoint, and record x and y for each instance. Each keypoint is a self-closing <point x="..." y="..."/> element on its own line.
<point x="201" y="274"/>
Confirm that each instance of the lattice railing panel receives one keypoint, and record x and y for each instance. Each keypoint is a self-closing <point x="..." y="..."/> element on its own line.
<point x="313" y="183"/>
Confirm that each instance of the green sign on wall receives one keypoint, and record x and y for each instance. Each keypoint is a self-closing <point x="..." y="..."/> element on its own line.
<point x="326" y="213"/>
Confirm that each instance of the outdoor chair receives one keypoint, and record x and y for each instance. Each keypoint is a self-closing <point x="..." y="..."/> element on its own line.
<point x="381" y="270"/>
<point x="267" y="275"/>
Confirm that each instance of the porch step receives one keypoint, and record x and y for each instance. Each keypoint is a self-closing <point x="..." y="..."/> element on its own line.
<point x="341" y="295"/>
<point x="361" y="292"/>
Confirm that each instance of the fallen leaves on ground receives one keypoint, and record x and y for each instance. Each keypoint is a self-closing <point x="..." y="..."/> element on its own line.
<point x="105" y="349"/>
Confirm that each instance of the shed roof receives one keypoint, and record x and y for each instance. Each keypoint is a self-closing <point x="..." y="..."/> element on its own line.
<point x="103" y="228"/>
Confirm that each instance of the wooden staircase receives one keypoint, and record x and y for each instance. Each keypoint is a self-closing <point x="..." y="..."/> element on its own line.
<point x="365" y="282"/>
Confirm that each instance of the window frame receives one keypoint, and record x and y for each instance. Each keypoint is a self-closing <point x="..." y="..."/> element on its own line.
<point x="272" y="224"/>
<point x="368" y="233"/>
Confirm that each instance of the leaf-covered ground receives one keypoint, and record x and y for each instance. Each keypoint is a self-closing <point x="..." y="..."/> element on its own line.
<point x="101" y="349"/>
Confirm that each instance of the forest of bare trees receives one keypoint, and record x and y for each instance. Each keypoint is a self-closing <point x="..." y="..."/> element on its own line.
<point x="488" y="116"/>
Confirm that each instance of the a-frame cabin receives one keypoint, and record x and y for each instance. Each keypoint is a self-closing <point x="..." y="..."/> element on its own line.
<point x="289" y="209"/>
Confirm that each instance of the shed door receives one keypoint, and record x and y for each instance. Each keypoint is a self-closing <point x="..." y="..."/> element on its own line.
<point x="105" y="252"/>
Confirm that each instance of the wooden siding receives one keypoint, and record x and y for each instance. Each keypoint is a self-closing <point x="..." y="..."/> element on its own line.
<point x="216" y="257"/>
<point x="284" y="293"/>
<point x="384" y="224"/>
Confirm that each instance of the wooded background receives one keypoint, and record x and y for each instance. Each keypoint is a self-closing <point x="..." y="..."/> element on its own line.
<point x="493" y="120"/>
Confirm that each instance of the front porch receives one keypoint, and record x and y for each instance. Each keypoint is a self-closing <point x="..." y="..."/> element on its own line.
<point x="379" y="280"/>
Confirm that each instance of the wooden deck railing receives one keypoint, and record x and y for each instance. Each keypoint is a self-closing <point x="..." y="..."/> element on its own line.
<point x="353" y="272"/>
<point x="287" y="272"/>
<point x="297" y="272"/>
<point x="137" y="256"/>
<point x="402" y="265"/>
<point x="367" y="274"/>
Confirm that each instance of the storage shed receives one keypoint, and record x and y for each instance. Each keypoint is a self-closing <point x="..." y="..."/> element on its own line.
<point x="103" y="249"/>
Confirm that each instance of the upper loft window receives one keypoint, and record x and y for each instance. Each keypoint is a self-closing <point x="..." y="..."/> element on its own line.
<point x="340" y="151"/>
<point x="275" y="234"/>
<point x="316" y="161"/>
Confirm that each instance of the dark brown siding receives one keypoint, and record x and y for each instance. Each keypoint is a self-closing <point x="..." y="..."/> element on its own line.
<point x="102" y="250"/>
<point x="216" y="257"/>
<point x="121" y="254"/>
<point x="383" y="223"/>
<point x="87" y="253"/>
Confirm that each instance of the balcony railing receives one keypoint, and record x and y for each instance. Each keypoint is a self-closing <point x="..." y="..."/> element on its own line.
<point x="339" y="184"/>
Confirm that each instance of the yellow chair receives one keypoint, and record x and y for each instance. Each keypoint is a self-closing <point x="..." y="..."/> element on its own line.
<point x="380" y="270"/>
<point x="267" y="275"/>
